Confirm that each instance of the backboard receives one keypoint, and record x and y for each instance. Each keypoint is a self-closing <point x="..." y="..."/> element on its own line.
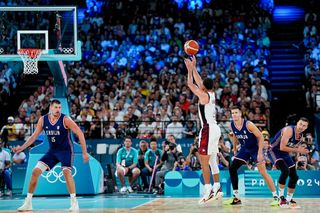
<point x="52" y="29"/>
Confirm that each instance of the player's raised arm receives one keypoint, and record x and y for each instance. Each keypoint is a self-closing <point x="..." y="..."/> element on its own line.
<point x="32" y="138"/>
<point x="76" y="130"/>
<point x="195" y="73"/>
<point x="203" y="97"/>
<point x="286" y="135"/>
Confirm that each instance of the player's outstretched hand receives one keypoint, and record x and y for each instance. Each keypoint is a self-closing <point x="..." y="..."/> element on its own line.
<point x="17" y="149"/>
<point x="190" y="63"/>
<point x="85" y="157"/>
<point x="302" y="150"/>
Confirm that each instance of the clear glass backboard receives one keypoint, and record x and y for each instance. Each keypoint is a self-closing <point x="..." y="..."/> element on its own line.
<point x="51" y="29"/>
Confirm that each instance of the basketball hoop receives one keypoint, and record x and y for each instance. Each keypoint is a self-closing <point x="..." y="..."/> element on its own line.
<point x="30" y="58"/>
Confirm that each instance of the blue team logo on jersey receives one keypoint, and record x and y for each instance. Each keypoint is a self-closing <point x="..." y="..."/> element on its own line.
<point x="58" y="127"/>
<point x="244" y="131"/>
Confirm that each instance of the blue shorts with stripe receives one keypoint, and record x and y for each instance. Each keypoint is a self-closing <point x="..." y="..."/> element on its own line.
<point x="276" y="155"/>
<point x="51" y="158"/>
<point x="245" y="154"/>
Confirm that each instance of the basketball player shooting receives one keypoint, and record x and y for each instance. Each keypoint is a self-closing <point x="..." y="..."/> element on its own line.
<point x="56" y="126"/>
<point x="209" y="133"/>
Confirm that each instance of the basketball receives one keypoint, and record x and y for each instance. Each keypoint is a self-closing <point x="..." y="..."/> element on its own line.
<point x="191" y="47"/>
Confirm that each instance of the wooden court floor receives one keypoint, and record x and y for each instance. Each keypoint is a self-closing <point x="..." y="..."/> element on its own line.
<point x="160" y="205"/>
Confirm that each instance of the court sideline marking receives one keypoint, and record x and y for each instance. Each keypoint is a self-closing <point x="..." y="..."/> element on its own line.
<point x="146" y="203"/>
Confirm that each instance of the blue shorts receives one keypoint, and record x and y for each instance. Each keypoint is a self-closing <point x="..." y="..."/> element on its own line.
<point x="245" y="154"/>
<point x="51" y="158"/>
<point x="276" y="155"/>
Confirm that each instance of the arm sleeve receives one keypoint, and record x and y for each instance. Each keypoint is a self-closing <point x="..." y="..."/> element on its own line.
<point x="146" y="155"/>
<point x="119" y="156"/>
<point x="135" y="157"/>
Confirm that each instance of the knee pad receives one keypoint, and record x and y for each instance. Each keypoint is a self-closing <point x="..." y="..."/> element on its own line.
<point x="213" y="164"/>
<point x="293" y="178"/>
<point x="41" y="166"/>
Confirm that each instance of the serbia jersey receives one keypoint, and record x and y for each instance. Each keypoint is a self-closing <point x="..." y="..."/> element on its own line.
<point x="58" y="135"/>
<point x="293" y="141"/>
<point x="246" y="138"/>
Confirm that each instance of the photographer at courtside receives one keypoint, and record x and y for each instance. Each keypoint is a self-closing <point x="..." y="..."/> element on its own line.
<point x="169" y="157"/>
<point x="193" y="159"/>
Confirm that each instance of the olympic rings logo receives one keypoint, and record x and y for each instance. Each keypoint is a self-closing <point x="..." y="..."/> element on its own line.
<point x="53" y="176"/>
<point x="67" y="50"/>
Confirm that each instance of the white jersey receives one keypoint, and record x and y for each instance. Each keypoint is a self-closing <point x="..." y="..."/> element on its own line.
<point x="207" y="112"/>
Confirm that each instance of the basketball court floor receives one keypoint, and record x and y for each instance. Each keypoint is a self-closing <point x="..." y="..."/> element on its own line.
<point x="141" y="203"/>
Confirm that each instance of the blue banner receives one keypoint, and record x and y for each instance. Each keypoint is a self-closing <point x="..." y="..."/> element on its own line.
<point x="251" y="183"/>
<point x="307" y="185"/>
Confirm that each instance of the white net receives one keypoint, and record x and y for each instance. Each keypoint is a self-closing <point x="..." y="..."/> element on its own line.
<point x="30" y="58"/>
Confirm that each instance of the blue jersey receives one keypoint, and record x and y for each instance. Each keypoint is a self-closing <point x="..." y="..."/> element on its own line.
<point x="293" y="141"/>
<point x="246" y="138"/>
<point x="58" y="135"/>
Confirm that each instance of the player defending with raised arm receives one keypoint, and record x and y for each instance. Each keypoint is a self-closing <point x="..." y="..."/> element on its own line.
<point x="287" y="140"/>
<point x="251" y="145"/>
<point x="56" y="126"/>
<point x="209" y="133"/>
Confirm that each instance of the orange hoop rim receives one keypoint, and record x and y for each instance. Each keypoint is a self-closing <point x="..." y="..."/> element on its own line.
<point x="31" y="52"/>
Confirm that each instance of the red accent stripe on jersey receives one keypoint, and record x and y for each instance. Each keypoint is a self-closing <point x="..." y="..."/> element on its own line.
<point x="202" y="113"/>
<point x="204" y="140"/>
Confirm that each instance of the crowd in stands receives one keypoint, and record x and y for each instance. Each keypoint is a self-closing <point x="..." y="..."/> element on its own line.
<point x="311" y="47"/>
<point x="132" y="79"/>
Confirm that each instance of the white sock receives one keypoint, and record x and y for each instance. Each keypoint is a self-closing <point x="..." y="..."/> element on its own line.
<point x="289" y="197"/>
<point x="281" y="192"/>
<point x="29" y="195"/>
<point x="274" y="194"/>
<point x="216" y="187"/>
<point x="236" y="193"/>
<point x="207" y="188"/>
<point x="73" y="195"/>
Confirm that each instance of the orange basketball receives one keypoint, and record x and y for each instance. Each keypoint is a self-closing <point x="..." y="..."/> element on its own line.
<point x="191" y="47"/>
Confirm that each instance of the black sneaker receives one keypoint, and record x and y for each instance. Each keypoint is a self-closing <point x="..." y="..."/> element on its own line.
<point x="232" y="201"/>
